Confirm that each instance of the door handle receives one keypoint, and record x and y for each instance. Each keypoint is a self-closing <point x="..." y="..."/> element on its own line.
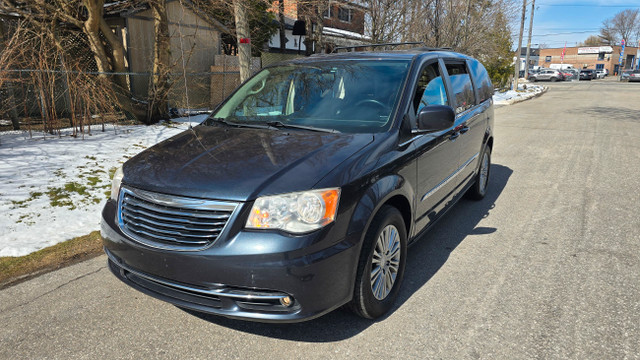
<point x="454" y="136"/>
<point x="464" y="129"/>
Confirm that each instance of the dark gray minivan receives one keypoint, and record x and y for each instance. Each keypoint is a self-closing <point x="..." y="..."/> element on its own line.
<point x="303" y="189"/>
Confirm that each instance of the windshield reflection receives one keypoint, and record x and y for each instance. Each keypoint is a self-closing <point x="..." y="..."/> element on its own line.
<point x="347" y="96"/>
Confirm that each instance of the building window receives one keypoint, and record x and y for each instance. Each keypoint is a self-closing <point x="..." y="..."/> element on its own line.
<point x="599" y="66"/>
<point x="547" y="59"/>
<point x="601" y="56"/>
<point x="345" y="14"/>
<point x="327" y="13"/>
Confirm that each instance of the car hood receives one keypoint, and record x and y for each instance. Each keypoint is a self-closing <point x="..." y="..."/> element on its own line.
<point x="240" y="163"/>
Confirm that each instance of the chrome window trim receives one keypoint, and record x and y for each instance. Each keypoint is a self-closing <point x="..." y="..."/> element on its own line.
<point x="449" y="178"/>
<point x="175" y="202"/>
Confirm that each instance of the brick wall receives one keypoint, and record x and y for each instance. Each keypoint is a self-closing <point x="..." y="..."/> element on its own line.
<point x="357" y="21"/>
<point x="585" y="61"/>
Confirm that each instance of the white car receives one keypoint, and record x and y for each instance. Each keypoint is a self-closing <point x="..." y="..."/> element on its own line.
<point x="601" y="73"/>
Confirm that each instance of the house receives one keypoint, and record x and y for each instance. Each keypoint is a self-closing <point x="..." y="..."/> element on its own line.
<point x="343" y="25"/>
<point x="195" y="41"/>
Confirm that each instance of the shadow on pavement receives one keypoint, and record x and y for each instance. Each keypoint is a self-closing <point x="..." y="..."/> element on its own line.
<point x="426" y="257"/>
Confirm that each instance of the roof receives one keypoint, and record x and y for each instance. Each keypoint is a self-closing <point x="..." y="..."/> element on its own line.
<point x="408" y="55"/>
<point x="127" y="8"/>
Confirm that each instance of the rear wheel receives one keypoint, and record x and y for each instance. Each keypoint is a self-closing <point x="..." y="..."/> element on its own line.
<point x="554" y="79"/>
<point x="479" y="189"/>
<point x="381" y="265"/>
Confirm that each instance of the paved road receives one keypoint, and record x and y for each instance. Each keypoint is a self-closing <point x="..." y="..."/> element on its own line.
<point x="547" y="266"/>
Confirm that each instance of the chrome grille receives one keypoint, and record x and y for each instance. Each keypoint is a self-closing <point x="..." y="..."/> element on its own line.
<point x="169" y="221"/>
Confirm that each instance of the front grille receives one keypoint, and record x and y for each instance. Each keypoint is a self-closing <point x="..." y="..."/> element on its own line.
<point x="168" y="221"/>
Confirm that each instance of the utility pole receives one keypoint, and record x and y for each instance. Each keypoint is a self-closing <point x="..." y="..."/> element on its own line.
<point x="519" y="50"/>
<point x="526" y="68"/>
<point x="243" y="41"/>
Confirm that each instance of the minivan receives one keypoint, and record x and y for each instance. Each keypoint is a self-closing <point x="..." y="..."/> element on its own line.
<point x="304" y="188"/>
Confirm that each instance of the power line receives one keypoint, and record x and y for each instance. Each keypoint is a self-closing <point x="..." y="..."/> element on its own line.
<point x="590" y="5"/>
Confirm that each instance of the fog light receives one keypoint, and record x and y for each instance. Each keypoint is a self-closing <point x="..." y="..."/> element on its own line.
<point x="286" y="301"/>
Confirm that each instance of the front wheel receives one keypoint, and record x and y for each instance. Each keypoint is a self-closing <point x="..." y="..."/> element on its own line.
<point x="381" y="265"/>
<point x="554" y="79"/>
<point x="479" y="188"/>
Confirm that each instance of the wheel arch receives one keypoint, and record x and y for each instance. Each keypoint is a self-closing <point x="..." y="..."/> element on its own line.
<point x="391" y="190"/>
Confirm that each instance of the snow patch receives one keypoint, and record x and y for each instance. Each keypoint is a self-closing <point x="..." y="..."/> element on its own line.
<point x="53" y="188"/>
<point x="525" y="91"/>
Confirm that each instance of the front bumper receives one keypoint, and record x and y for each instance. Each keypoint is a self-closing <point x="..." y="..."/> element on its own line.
<point x="245" y="276"/>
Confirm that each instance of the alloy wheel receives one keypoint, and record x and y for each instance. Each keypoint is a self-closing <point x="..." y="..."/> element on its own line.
<point x="385" y="262"/>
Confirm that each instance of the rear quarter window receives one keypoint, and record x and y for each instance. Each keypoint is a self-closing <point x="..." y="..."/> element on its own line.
<point x="481" y="80"/>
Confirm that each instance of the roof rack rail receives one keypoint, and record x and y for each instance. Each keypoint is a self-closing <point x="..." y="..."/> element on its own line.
<point x="353" y="48"/>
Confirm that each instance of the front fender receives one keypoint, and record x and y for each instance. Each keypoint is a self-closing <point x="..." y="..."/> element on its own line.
<point x="374" y="197"/>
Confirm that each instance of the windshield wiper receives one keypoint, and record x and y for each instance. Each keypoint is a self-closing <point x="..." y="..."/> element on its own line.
<point x="280" y="124"/>
<point x="235" y="124"/>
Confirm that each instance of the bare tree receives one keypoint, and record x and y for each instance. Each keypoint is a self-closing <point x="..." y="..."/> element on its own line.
<point x="107" y="49"/>
<point x="593" y="40"/>
<point x="623" y="25"/>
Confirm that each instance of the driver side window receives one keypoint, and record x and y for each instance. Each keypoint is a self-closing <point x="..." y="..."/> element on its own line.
<point x="430" y="89"/>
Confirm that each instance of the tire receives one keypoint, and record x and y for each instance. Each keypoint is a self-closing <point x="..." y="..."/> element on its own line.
<point x="371" y="298"/>
<point x="479" y="188"/>
<point x="554" y="79"/>
<point x="533" y="79"/>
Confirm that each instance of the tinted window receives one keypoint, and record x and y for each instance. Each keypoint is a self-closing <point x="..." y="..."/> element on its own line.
<point x="430" y="90"/>
<point x="461" y="86"/>
<point x="481" y="80"/>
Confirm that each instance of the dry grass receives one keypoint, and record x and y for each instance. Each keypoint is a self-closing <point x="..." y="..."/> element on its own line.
<point x="14" y="270"/>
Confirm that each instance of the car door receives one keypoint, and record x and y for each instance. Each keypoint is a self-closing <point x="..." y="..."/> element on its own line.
<point x="437" y="153"/>
<point x="469" y="123"/>
<point x="474" y="120"/>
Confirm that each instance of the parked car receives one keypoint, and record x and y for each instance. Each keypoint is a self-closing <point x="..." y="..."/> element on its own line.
<point x="570" y="74"/>
<point x="634" y="75"/>
<point x="624" y="75"/>
<point x="600" y="74"/>
<point x="587" y="74"/>
<point x="303" y="189"/>
<point x="547" y="74"/>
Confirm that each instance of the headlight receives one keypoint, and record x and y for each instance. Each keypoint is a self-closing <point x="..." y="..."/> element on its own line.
<point x="298" y="212"/>
<point x="115" y="184"/>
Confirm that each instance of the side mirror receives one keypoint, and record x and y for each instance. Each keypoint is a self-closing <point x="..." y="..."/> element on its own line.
<point x="436" y="118"/>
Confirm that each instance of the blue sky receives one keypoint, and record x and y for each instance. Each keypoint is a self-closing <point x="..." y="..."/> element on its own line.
<point x="557" y="21"/>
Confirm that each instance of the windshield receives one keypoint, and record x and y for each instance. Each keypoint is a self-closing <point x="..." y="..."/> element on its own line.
<point x="347" y="96"/>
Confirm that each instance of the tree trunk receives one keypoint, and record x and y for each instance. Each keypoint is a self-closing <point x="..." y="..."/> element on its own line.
<point x="317" y="35"/>
<point x="242" y="32"/>
<point x="13" y="113"/>
<point x="308" y="37"/>
<point x="158" y="106"/>
<point x="283" y="34"/>
<point x="91" y="28"/>
<point x="117" y="54"/>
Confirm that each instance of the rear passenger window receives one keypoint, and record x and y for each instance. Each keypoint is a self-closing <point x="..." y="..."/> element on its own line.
<point x="481" y="80"/>
<point x="430" y="90"/>
<point x="461" y="86"/>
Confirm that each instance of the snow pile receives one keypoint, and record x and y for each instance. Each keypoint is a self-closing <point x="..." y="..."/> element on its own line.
<point x="525" y="91"/>
<point x="53" y="189"/>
